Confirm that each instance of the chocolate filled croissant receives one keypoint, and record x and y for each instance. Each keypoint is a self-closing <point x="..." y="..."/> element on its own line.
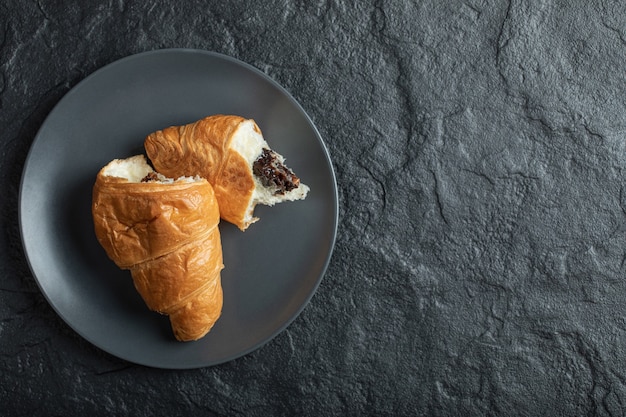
<point x="230" y="152"/>
<point x="166" y="233"/>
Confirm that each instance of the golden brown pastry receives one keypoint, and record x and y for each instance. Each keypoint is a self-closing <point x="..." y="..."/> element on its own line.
<point x="166" y="233"/>
<point x="230" y="152"/>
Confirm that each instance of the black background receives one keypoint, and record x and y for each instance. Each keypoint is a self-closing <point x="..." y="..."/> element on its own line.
<point x="480" y="257"/>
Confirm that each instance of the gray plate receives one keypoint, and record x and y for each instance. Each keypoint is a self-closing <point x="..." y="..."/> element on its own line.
<point x="272" y="270"/>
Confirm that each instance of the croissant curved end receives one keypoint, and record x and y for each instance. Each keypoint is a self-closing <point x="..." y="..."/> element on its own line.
<point x="196" y="318"/>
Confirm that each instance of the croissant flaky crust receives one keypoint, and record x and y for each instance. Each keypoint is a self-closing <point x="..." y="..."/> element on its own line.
<point x="166" y="233"/>
<point x="231" y="153"/>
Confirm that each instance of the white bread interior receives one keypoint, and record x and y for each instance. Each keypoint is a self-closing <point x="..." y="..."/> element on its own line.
<point x="249" y="143"/>
<point x="136" y="168"/>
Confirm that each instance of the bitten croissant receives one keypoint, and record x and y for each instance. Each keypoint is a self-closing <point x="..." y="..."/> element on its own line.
<point x="231" y="153"/>
<point x="166" y="233"/>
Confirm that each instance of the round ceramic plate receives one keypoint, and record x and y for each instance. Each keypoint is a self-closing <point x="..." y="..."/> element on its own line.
<point x="271" y="271"/>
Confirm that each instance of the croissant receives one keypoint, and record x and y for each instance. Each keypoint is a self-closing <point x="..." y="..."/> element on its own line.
<point x="166" y="233"/>
<point x="231" y="153"/>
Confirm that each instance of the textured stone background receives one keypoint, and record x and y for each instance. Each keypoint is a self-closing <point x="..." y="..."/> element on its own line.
<point x="479" y="148"/>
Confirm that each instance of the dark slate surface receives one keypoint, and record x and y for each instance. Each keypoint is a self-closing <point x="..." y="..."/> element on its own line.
<point x="479" y="149"/>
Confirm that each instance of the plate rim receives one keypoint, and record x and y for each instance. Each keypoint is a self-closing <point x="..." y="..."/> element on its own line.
<point x="220" y="56"/>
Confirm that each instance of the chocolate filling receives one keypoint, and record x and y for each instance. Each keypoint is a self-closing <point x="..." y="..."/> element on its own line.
<point x="150" y="177"/>
<point x="272" y="172"/>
